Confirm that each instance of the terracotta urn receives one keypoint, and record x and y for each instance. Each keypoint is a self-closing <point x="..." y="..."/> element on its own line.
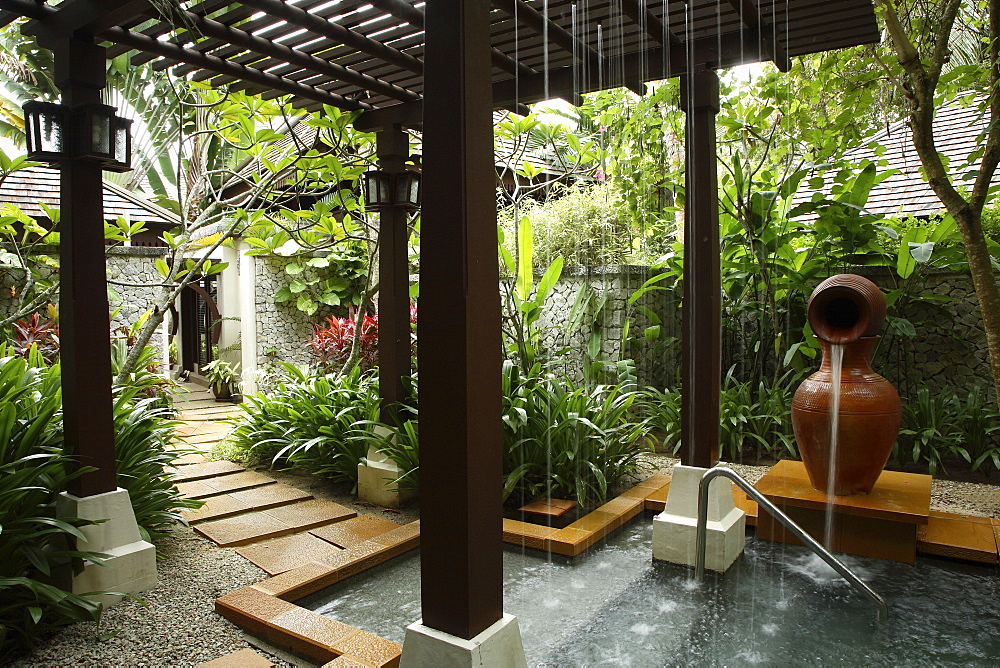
<point x="845" y="312"/>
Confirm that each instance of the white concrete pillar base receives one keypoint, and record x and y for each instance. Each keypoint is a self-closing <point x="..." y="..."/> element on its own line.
<point x="376" y="478"/>
<point x="131" y="566"/>
<point x="675" y="529"/>
<point x="499" y="646"/>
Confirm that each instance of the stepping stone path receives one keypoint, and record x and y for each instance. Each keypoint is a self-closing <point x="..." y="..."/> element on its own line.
<point x="277" y="527"/>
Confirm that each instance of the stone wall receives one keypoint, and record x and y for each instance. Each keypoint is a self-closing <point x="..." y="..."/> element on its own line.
<point x="135" y="265"/>
<point x="603" y="317"/>
<point x="948" y="352"/>
<point x="282" y="329"/>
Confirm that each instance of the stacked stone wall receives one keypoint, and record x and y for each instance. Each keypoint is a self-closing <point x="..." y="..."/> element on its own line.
<point x="282" y="329"/>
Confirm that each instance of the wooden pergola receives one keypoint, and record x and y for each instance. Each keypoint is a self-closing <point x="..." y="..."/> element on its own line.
<point x="444" y="65"/>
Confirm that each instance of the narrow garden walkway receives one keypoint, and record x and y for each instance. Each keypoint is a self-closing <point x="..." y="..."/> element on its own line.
<point x="275" y="526"/>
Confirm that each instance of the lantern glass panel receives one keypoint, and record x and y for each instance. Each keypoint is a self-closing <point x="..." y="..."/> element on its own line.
<point x="377" y="191"/>
<point x="122" y="144"/>
<point x="50" y="134"/>
<point x="408" y="189"/>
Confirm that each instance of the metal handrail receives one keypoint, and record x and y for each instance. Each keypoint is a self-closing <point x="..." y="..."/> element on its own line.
<point x="807" y="540"/>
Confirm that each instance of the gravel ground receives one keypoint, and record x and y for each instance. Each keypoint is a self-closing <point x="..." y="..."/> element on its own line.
<point x="180" y="628"/>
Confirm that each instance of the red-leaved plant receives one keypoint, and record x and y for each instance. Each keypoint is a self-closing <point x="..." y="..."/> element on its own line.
<point x="43" y="333"/>
<point x="331" y="342"/>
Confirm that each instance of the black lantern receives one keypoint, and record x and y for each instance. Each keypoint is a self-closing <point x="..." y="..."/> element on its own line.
<point x="87" y="131"/>
<point x="44" y="124"/>
<point x="383" y="189"/>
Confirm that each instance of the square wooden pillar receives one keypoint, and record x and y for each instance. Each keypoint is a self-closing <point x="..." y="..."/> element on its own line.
<point x="701" y="359"/>
<point x="459" y="344"/>
<point x="83" y="294"/>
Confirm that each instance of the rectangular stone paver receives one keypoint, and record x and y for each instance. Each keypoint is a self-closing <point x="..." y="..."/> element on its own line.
<point x="260" y="525"/>
<point x="202" y="471"/>
<point x="245" y="658"/>
<point x="224" y="484"/>
<point x="243" y="529"/>
<point x="288" y="552"/>
<point x="354" y="531"/>
<point x="311" y="514"/>
<point x="259" y="498"/>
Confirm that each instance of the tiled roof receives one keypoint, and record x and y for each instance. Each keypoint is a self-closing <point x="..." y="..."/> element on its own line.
<point x="27" y="187"/>
<point x="957" y="126"/>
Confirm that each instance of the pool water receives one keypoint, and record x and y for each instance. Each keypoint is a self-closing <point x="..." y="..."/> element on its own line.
<point x="779" y="605"/>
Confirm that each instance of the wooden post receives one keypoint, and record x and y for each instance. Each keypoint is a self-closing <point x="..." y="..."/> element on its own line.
<point x="392" y="146"/>
<point x="459" y="334"/>
<point x="702" y="310"/>
<point x="83" y="297"/>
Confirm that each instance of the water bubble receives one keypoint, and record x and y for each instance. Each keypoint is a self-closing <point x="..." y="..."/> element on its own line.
<point x="642" y="629"/>
<point x="770" y="629"/>
<point x="667" y="606"/>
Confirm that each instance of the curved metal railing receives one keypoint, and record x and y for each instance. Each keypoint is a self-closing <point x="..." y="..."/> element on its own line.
<point x="797" y="531"/>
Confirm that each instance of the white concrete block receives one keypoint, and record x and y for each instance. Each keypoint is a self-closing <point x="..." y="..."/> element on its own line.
<point x="675" y="529"/>
<point x="377" y="476"/>
<point x="131" y="564"/>
<point x="499" y="646"/>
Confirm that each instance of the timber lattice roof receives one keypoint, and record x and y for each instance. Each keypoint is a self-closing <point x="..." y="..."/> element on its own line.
<point x="368" y="54"/>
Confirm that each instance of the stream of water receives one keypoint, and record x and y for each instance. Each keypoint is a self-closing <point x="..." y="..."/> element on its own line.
<point x="836" y="366"/>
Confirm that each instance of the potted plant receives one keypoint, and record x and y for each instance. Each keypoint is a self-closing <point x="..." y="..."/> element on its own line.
<point x="224" y="378"/>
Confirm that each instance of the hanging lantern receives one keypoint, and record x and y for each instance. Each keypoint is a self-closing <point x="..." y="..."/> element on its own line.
<point x="408" y="190"/>
<point x="103" y="136"/>
<point x="383" y="189"/>
<point x="88" y="132"/>
<point x="44" y="128"/>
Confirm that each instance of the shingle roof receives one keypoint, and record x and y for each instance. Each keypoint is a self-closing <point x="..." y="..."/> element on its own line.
<point x="27" y="187"/>
<point x="956" y="128"/>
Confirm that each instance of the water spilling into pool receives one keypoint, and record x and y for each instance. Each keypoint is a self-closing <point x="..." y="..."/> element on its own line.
<point x="836" y="367"/>
<point x="779" y="605"/>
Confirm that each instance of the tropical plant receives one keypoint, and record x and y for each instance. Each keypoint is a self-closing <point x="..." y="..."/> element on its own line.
<point x="40" y="333"/>
<point x="34" y="535"/>
<point x="143" y="453"/>
<point x="978" y="421"/>
<point x="565" y="441"/>
<point x="524" y="301"/>
<point x="308" y="422"/>
<point x="662" y="416"/>
<point x="930" y="432"/>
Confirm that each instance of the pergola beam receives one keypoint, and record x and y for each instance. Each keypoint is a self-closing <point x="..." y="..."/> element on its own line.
<point x="415" y="17"/>
<point x="209" y="62"/>
<point x="89" y="17"/>
<point x="14" y="9"/>
<point x="658" y="63"/>
<point x="337" y="33"/>
<point x="655" y="28"/>
<point x="752" y="18"/>
<point x="533" y="19"/>
<point x="278" y="51"/>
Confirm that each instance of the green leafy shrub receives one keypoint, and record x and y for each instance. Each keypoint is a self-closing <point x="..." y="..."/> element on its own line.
<point x="584" y="224"/>
<point x="142" y="451"/>
<point x="756" y="421"/>
<point x="33" y="536"/>
<point x="930" y="432"/>
<point x="558" y="440"/>
<point x="308" y="422"/>
<point x="565" y="441"/>
<point x="662" y="409"/>
<point x="978" y="421"/>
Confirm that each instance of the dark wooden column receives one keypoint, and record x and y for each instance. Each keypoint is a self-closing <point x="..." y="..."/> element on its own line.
<point x="701" y="312"/>
<point x="392" y="146"/>
<point x="459" y="333"/>
<point x="83" y="293"/>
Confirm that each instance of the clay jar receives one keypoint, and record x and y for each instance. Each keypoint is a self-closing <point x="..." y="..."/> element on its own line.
<point x="846" y="310"/>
